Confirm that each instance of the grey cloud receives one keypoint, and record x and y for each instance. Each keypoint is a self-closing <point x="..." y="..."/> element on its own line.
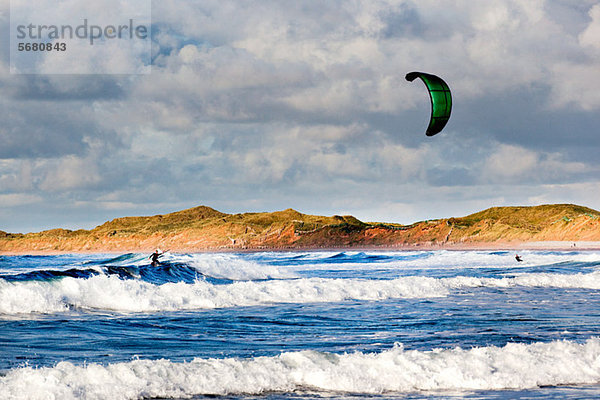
<point x="285" y="104"/>
<point x="40" y="132"/>
<point x="406" y="21"/>
<point x="524" y="118"/>
<point x="571" y="16"/>
<point x="450" y="177"/>
<point x="49" y="130"/>
<point x="66" y="88"/>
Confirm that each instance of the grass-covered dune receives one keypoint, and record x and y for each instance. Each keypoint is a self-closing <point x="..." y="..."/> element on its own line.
<point x="203" y="228"/>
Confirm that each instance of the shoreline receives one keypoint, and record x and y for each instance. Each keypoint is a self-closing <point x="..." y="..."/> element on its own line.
<point x="500" y="246"/>
<point x="205" y="230"/>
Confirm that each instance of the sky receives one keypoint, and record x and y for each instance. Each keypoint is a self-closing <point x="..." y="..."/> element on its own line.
<point x="271" y="104"/>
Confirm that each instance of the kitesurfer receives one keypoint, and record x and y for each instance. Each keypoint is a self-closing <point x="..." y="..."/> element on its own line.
<point x="155" y="256"/>
<point x="518" y="258"/>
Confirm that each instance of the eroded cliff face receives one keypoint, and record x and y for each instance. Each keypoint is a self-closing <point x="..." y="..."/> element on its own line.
<point x="203" y="228"/>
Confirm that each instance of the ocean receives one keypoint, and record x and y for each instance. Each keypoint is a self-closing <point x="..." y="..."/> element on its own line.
<point x="301" y="325"/>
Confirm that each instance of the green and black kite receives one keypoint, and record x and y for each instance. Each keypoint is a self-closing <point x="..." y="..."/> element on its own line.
<point x="441" y="100"/>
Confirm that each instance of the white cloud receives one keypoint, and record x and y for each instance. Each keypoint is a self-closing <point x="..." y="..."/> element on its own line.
<point x="579" y="86"/>
<point x="510" y="162"/>
<point x="70" y="173"/>
<point x="591" y="35"/>
<point x="516" y="164"/>
<point x="18" y="199"/>
<point x="577" y="82"/>
<point x="16" y="175"/>
<point x="271" y="104"/>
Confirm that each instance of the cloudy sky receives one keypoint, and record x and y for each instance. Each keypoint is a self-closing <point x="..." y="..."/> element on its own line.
<point x="270" y="104"/>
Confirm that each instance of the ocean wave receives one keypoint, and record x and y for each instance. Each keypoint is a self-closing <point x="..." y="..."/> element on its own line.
<point x="441" y="259"/>
<point x="514" y="366"/>
<point x="114" y="294"/>
<point x="111" y="293"/>
<point x="217" y="268"/>
<point x="232" y="267"/>
<point x="215" y="265"/>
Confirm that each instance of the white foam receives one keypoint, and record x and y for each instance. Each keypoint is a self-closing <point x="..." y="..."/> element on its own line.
<point x="446" y="259"/>
<point x="111" y="293"/>
<point x="114" y="294"/>
<point x="230" y="266"/>
<point x="514" y="366"/>
<point x="562" y="281"/>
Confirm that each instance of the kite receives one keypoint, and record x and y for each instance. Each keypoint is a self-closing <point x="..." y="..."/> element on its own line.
<point x="441" y="100"/>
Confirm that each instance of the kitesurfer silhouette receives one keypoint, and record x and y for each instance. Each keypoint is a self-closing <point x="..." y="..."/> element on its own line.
<point x="518" y="258"/>
<point x="155" y="256"/>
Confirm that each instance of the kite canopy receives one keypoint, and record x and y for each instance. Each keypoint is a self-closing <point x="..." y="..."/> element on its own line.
<point x="441" y="100"/>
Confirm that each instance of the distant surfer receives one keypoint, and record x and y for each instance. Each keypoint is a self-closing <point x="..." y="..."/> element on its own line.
<point x="518" y="258"/>
<point x="155" y="256"/>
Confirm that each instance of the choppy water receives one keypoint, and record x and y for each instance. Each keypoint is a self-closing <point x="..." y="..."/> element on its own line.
<point x="295" y="325"/>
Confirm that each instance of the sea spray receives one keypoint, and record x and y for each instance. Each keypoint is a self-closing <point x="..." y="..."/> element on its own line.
<point x="114" y="294"/>
<point x="514" y="366"/>
<point x="473" y="324"/>
<point x="227" y="266"/>
<point x="111" y="293"/>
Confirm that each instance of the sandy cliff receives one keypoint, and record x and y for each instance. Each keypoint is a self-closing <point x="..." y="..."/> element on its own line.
<point x="203" y="228"/>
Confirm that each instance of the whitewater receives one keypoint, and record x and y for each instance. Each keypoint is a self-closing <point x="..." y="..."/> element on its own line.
<point x="289" y="325"/>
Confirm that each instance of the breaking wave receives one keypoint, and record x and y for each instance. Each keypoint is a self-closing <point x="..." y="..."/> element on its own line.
<point x="112" y="293"/>
<point x="514" y="366"/>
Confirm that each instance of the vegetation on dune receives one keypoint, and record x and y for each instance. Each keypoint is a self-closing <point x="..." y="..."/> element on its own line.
<point x="202" y="228"/>
<point x="546" y="222"/>
<point x="197" y="217"/>
<point x="524" y="217"/>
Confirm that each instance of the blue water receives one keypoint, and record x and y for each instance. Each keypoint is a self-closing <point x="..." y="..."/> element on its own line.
<point x="291" y="325"/>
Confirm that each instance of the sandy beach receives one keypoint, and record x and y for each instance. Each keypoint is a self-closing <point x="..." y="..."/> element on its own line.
<point x="515" y="246"/>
